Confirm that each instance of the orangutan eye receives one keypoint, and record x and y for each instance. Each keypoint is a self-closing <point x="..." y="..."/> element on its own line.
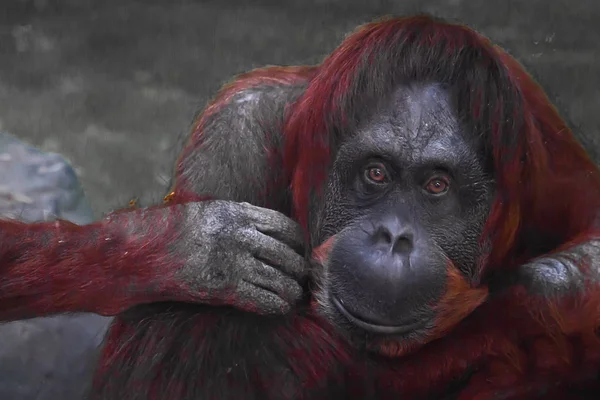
<point x="376" y="173"/>
<point x="437" y="185"/>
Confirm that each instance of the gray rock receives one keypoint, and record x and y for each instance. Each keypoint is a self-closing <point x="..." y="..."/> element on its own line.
<point x="44" y="358"/>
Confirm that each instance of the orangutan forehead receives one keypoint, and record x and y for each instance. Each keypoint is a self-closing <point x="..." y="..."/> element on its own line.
<point x="418" y="122"/>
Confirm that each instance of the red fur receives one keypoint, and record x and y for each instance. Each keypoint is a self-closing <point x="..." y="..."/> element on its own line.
<point x="518" y="345"/>
<point x="60" y="267"/>
<point x="57" y="267"/>
<point x="557" y="189"/>
<point x="299" y="345"/>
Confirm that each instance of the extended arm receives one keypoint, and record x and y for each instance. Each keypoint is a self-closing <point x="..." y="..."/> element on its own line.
<point x="105" y="267"/>
<point x="61" y="267"/>
<point x="190" y="252"/>
<point x="217" y="252"/>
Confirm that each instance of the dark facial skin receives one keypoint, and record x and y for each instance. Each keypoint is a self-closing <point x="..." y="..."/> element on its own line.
<point x="406" y="197"/>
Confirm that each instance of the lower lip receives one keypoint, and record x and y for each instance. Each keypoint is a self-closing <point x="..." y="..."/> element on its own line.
<point x="381" y="329"/>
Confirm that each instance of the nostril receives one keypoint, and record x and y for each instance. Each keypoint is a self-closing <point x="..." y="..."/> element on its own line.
<point x="383" y="236"/>
<point x="403" y="245"/>
<point x="397" y="243"/>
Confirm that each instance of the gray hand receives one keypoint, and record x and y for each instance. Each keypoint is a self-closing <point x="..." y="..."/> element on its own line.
<point x="242" y="255"/>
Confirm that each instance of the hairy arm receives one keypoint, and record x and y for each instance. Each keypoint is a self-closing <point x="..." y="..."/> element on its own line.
<point x="104" y="267"/>
<point x="222" y="251"/>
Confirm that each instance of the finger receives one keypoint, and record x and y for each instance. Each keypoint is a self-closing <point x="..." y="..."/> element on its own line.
<point x="279" y="255"/>
<point x="258" y="300"/>
<point x="277" y="225"/>
<point x="269" y="278"/>
<point x="288" y="233"/>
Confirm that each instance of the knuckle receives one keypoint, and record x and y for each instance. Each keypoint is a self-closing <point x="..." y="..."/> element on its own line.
<point x="250" y="210"/>
<point x="241" y="238"/>
<point x="274" y="217"/>
<point x="547" y="276"/>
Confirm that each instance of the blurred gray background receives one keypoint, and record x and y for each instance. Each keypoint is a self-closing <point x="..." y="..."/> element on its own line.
<point x="113" y="86"/>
